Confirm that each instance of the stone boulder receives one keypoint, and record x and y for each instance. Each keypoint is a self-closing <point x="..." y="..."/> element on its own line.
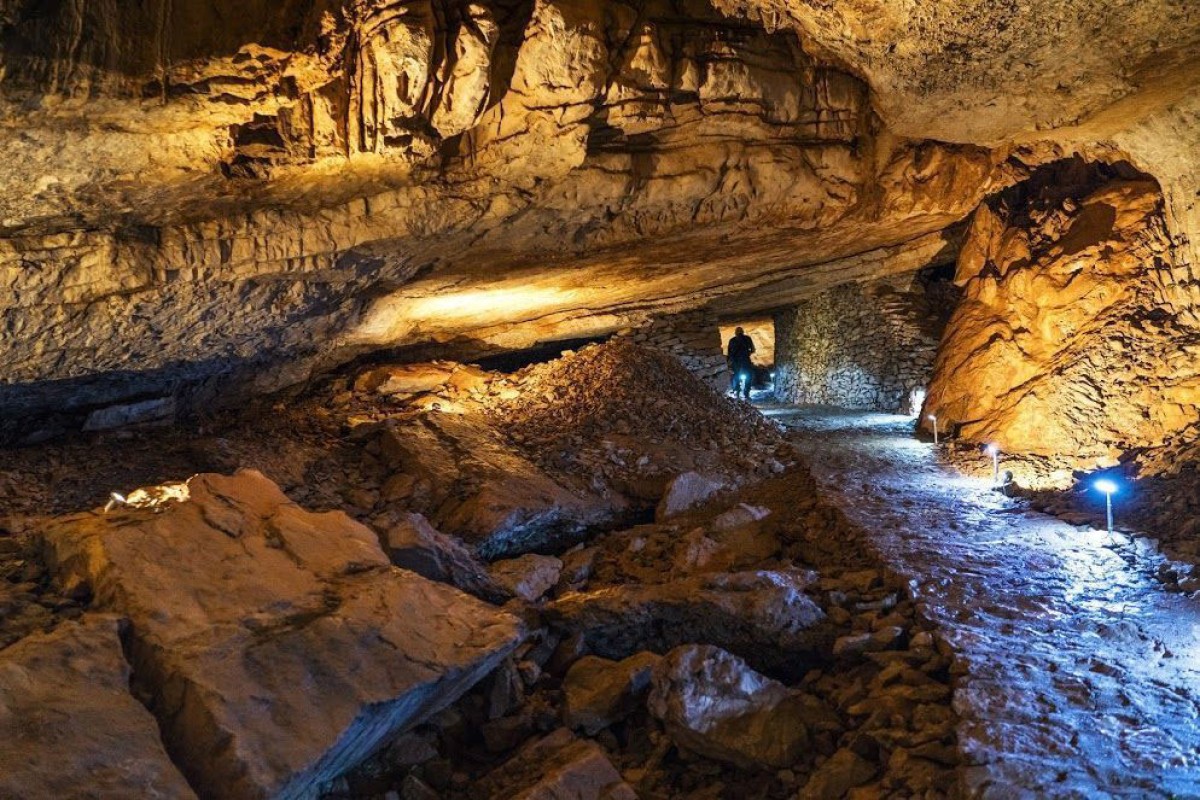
<point x="764" y="616"/>
<point x="529" y="577"/>
<point x="599" y="692"/>
<point x="69" y="728"/>
<point x="400" y="379"/>
<point x="843" y="771"/>
<point x="685" y="492"/>
<point x="739" y="516"/>
<point x="481" y="490"/>
<point x="722" y="549"/>
<point x="277" y="647"/>
<point x="714" y="704"/>
<point x="413" y="544"/>
<point x="556" y="767"/>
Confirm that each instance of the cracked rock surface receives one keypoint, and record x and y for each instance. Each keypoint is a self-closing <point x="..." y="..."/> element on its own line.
<point x="69" y="726"/>
<point x="277" y="647"/>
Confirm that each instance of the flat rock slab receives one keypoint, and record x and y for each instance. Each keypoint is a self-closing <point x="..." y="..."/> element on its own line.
<point x="497" y="501"/>
<point x="279" y="646"/>
<point x="556" y="767"/>
<point x="69" y="728"/>
<point x="763" y="616"/>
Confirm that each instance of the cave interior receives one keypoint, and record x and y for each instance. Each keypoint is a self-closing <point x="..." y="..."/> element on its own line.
<point x="367" y="423"/>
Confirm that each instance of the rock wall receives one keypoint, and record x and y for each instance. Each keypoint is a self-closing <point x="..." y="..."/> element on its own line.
<point x="866" y="346"/>
<point x="694" y="338"/>
<point x="206" y="195"/>
<point x="215" y="197"/>
<point x="1077" y="334"/>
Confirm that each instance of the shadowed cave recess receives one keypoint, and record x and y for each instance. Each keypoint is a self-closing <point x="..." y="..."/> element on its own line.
<point x="372" y="423"/>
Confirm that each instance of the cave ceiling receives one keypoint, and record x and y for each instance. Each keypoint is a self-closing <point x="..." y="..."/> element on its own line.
<point x="198" y="183"/>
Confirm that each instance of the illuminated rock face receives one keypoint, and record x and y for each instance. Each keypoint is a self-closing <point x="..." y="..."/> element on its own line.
<point x="252" y="191"/>
<point x="205" y="194"/>
<point x="276" y="646"/>
<point x="1077" y="335"/>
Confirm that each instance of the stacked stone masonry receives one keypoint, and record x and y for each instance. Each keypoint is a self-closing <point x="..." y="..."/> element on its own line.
<point x="864" y="346"/>
<point x="692" y="337"/>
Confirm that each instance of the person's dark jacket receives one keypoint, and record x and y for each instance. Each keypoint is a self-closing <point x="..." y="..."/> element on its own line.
<point x="740" y="350"/>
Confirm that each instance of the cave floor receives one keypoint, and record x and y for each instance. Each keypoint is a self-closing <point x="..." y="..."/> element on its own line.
<point x="1081" y="674"/>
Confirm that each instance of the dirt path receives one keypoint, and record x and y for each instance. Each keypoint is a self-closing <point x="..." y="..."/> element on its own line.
<point x="1083" y="675"/>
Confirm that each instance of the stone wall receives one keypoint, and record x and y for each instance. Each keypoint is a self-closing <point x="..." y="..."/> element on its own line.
<point x="692" y="337"/>
<point x="866" y="346"/>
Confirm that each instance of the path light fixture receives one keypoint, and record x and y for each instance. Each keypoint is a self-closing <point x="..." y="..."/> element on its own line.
<point x="993" y="450"/>
<point x="1109" y="488"/>
<point x="933" y="419"/>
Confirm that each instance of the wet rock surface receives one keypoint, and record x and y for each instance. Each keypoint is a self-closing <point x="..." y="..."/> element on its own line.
<point x="1075" y="668"/>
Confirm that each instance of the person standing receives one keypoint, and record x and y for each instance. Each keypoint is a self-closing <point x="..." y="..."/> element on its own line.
<point x="741" y="347"/>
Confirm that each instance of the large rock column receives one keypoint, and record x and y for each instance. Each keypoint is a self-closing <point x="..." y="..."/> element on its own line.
<point x="1073" y="338"/>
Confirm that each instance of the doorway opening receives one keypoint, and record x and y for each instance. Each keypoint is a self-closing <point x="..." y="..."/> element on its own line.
<point x="761" y="331"/>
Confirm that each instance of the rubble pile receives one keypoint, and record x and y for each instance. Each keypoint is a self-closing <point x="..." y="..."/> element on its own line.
<point x="499" y="627"/>
<point x="632" y="414"/>
<point x="806" y="674"/>
<point x="531" y="461"/>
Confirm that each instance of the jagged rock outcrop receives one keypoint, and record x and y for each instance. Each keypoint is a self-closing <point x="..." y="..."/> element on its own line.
<point x="1076" y="336"/>
<point x="278" y="647"/>
<point x="69" y="726"/>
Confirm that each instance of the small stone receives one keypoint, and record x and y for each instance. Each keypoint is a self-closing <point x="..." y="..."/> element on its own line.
<point x="844" y="770"/>
<point x="598" y="692"/>
<point x="529" y="576"/>
<point x="685" y="492"/>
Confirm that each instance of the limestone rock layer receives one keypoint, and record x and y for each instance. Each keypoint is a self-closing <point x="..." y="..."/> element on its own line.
<point x="1077" y="333"/>
<point x="212" y="195"/>
<point x="207" y="199"/>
